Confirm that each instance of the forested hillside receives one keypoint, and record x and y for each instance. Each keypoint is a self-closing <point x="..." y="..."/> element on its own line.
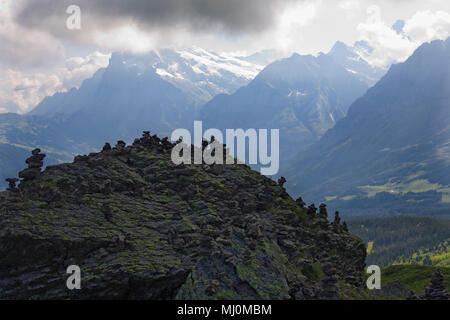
<point x="395" y="237"/>
<point x="439" y="255"/>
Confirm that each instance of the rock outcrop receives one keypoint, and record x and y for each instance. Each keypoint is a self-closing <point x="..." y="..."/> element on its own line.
<point x="436" y="289"/>
<point x="412" y="296"/>
<point x="140" y="227"/>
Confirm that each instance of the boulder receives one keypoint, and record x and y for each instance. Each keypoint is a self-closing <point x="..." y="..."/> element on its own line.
<point x="436" y="289"/>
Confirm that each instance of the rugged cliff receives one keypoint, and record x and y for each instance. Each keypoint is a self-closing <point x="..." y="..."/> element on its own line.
<point x="141" y="227"/>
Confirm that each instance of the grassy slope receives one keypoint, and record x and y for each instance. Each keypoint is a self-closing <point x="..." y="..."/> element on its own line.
<point x="413" y="277"/>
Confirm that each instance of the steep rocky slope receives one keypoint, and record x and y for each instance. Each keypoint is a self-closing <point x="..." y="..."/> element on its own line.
<point x="140" y="227"/>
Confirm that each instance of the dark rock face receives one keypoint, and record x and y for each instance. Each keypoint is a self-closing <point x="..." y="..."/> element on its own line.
<point x="140" y="227"/>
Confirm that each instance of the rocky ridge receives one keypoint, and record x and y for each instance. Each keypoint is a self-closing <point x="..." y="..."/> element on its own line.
<point x="141" y="227"/>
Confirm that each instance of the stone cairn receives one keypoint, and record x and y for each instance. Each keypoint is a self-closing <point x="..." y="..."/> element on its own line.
<point x="329" y="282"/>
<point x="120" y="148"/>
<point x="13" y="191"/>
<point x="35" y="163"/>
<point x="282" y="181"/>
<point x="106" y="147"/>
<point x="412" y="296"/>
<point x="337" y="222"/>
<point x="344" y="226"/>
<point x="436" y="289"/>
<point x="12" y="183"/>
<point x="337" y="218"/>
<point x="147" y="140"/>
<point x="323" y="216"/>
<point x="300" y="202"/>
<point x="312" y="211"/>
<point x="323" y="211"/>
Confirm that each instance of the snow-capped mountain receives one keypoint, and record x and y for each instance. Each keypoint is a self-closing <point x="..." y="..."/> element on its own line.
<point x="198" y="73"/>
<point x="203" y="74"/>
<point x="302" y="95"/>
<point x="391" y="153"/>
<point x="352" y="58"/>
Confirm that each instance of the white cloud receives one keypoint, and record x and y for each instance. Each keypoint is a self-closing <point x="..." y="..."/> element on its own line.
<point x="78" y="68"/>
<point x="387" y="44"/>
<point x="23" y="47"/>
<point x="33" y="63"/>
<point x="426" y="25"/>
<point x="27" y="89"/>
<point x="391" y="47"/>
<point x="290" y="24"/>
<point x="350" y="7"/>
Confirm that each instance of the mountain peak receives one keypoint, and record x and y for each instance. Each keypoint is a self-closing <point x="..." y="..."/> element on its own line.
<point x="302" y="95"/>
<point x="200" y="74"/>
<point x="352" y="58"/>
<point x="340" y="47"/>
<point x="394" y="138"/>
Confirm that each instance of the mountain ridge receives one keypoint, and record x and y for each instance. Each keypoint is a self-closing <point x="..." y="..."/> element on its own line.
<point x="352" y="58"/>
<point x="377" y="147"/>
<point x="140" y="227"/>
<point x="303" y="96"/>
<point x="198" y="73"/>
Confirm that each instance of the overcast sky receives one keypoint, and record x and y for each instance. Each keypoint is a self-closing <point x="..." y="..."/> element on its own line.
<point x="40" y="55"/>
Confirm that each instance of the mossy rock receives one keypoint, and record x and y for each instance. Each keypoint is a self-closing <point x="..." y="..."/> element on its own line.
<point x="140" y="227"/>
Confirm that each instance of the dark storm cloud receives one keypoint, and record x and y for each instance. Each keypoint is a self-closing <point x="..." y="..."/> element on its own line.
<point x="233" y="16"/>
